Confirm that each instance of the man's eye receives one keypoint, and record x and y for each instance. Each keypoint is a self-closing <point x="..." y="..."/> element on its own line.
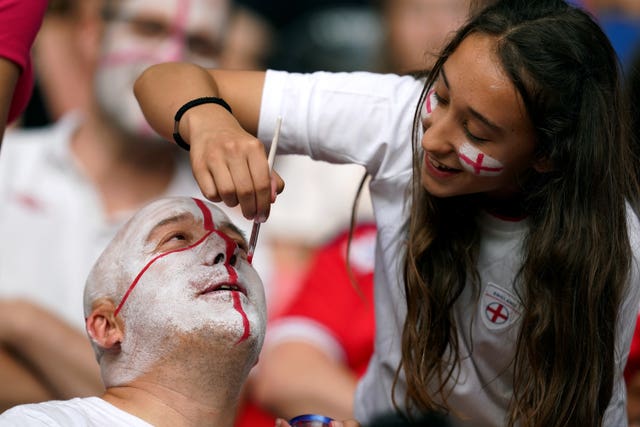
<point x="173" y="238"/>
<point x="148" y="28"/>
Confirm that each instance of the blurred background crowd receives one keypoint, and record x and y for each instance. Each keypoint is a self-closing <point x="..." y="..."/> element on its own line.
<point x="80" y="160"/>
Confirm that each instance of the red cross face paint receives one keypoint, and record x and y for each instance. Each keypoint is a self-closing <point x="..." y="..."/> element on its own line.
<point x="181" y="270"/>
<point x="140" y="33"/>
<point x="430" y="103"/>
<point x="477" y="162"/>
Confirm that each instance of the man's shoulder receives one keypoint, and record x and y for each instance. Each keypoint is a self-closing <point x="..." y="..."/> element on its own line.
<point x="78" y="411"/>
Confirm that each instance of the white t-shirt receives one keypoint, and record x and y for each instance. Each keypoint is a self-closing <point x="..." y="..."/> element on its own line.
<point x="366" y="119"/>
<point x="78" y="412"/>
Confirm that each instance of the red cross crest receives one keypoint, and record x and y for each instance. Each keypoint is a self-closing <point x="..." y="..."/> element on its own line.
<point x="498" y="308"/>
<point x="497" y="313"/>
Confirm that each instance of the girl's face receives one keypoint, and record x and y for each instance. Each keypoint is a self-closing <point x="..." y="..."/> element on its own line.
<point x="477" y="135"/>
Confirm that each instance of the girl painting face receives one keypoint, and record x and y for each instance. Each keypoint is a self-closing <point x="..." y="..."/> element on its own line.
<point x="477" y="135"/>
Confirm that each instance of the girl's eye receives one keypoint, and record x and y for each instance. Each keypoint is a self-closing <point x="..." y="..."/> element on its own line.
<point x="440" y="99"/>
<point x="471" y="136"/>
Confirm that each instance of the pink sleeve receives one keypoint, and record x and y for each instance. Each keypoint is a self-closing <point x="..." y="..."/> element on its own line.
<point x="20" y="21"/>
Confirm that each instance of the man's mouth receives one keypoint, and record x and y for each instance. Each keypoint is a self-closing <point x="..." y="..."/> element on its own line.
<point x="221" y="287"/>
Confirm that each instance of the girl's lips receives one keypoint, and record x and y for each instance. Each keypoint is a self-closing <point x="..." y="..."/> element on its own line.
<point x="438" y="169"/>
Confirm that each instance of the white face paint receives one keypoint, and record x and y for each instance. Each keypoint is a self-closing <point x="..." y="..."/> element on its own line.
<point x="146" y="32"/>
<point x="430" y="103"/>
<point x="181" y="266"/>
<point x="477" y="162"/>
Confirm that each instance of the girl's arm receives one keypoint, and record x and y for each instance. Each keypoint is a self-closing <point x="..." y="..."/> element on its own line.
<point x="228" y="161"/>
<point x="9" y="73"/>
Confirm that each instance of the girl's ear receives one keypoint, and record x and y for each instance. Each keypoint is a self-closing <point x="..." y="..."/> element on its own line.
<point x="102" y="326"/>
<point x="543" y="165"/>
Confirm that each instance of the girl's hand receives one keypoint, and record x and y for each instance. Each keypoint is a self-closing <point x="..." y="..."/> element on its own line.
<point x="229" y="164"/>
<point x="346" y="423"/>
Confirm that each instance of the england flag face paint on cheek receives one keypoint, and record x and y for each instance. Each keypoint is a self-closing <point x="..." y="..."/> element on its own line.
<point x="477" y="162"/>
<point x="430" y="104"/>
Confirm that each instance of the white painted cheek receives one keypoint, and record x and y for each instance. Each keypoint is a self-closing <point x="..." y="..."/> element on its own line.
<point x="114" y="87"/>
<point x="430" y="103"/>
<point x="477" y="162"/>
<point x="256" y="310"/>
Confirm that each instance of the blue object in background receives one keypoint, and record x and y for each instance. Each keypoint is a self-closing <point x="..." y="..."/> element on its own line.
<point x="624" y="33"/>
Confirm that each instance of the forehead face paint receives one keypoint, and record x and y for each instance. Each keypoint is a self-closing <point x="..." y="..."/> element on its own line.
<point x="477" y="162"/>
<point x="205" y="288"/>
<point x="147" y="32"/>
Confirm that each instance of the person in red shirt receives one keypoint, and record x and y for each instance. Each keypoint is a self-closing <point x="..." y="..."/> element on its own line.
<point x="19" y="23"/>
<point x="329" y="326"/>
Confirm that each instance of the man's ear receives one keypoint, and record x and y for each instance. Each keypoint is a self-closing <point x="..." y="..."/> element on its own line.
<point x="103" y="327"/>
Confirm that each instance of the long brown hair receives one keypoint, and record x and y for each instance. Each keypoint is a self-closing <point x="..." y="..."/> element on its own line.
<point x="577" y="254"/>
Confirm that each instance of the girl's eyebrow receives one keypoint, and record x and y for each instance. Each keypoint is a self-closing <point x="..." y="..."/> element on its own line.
<point x="473" y="112"/>
<point x="444" y="77"/>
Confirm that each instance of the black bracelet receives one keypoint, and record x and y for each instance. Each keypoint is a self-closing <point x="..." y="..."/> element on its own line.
<point x="194" y="102"/>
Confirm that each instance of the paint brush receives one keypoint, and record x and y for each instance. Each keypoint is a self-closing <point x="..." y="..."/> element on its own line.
<point x="253" y="240"/>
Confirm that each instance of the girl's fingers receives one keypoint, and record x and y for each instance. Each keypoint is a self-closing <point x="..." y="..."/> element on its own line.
<point x="262" y="184"/>
<point x="282" y="423"/>
<point x="232" y="167"/>
<point x="244" y="186"/>
<point x="277" y="185"/>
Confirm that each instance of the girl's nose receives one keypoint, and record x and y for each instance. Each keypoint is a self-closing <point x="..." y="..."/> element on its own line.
<point x="436" y="137"/>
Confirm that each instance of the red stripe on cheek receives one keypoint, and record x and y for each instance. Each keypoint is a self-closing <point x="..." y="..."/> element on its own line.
<point x="428" y="102"/>
<point x="146" y="267"/>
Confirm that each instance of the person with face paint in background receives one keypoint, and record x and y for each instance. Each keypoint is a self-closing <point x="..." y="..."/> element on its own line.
<point x="66" y="189"/>
<point x="176" y="316"/>
<point x="507" y="273"/>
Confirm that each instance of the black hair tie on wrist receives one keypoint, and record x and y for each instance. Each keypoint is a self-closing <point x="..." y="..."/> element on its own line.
<point x="193" y="103"/>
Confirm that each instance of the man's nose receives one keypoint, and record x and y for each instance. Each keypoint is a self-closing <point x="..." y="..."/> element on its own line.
<point x="225" y="259"/>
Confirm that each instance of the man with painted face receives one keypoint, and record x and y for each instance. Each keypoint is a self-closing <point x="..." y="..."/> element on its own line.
<point x="176" y="316"/>
<point x="66" y="189"/>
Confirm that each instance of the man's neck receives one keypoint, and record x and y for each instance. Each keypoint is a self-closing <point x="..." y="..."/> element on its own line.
<point x="163" y="406"/>
<point x="198" y="383"/>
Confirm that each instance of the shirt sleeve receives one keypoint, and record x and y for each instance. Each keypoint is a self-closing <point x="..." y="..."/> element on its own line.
<point x="20" y="21"/>
<point x="360" y="117"/>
